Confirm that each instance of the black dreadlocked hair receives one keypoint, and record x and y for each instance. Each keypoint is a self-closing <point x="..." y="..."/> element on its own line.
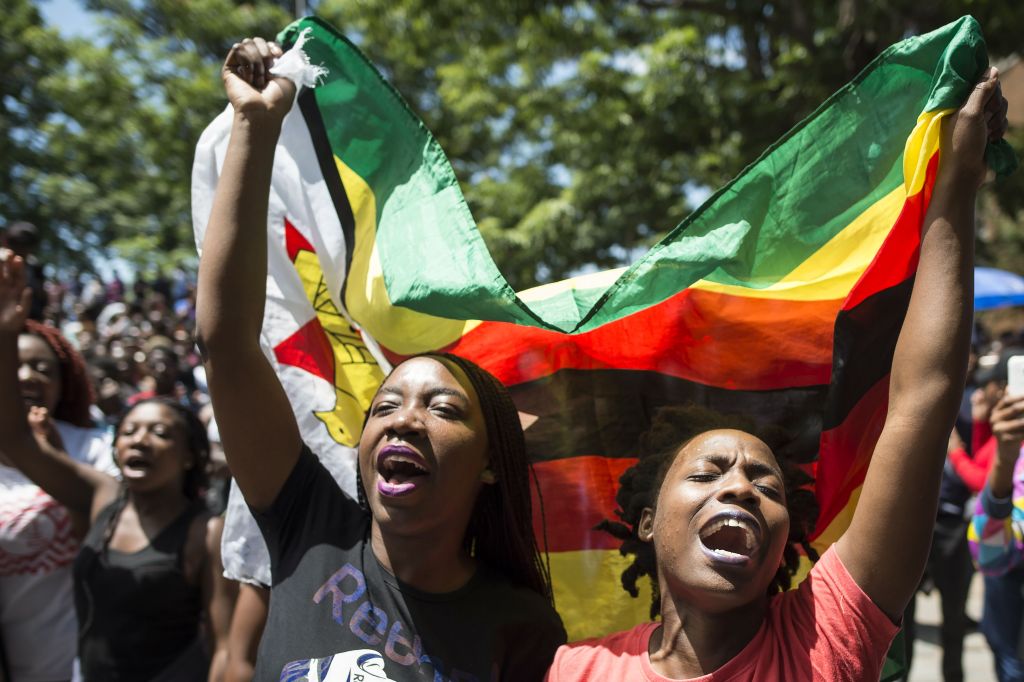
<point x="198" y="444"/>
<point x="639" y="486"/>
<point x="500" y="531"/>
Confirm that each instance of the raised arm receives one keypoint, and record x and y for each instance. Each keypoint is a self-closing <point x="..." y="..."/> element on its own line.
<point x="886" y="545"/>
<point x="260" y="436"/>
<point x="36" y="450"/>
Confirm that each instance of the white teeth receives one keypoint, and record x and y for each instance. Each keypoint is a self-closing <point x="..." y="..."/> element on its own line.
<point x="396" y="459"/>
<point x="725" y="553"/>
<point x="748" y="534"/>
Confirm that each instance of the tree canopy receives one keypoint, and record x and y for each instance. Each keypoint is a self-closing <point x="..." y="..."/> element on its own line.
<point x="581" y="131"/>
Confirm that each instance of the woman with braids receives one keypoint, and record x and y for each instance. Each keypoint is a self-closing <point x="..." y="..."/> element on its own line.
<point x="38" y="536"/>
<point x="712" y="520"/>
<point x="433" y="573"/>
<point x="149" y="567"/>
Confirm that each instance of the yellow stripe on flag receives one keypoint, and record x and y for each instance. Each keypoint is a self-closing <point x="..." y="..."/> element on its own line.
<point x="830" y="272"/>
<point x="398" y="329"/>
<point x="589" y="594"/>
<point x="839" y="524"/>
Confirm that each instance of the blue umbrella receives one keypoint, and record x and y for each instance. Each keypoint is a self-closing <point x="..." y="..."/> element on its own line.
<point x="997" y="288"/>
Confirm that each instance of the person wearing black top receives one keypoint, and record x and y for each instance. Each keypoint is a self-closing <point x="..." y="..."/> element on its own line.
<point x="434" y="573"/>
<point x="149" y="572"/>
<point x="138" y="612"/>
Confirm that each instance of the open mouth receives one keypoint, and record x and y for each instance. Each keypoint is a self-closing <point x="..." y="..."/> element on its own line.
<point x="731" y="537"/>
<point x="135" y="464"/>
<point x="400" y="469"/>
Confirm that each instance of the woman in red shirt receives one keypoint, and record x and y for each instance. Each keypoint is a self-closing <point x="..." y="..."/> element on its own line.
<point x="711" y="520"/>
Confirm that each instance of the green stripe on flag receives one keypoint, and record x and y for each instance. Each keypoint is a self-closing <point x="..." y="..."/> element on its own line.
<point x="753" y="232"/>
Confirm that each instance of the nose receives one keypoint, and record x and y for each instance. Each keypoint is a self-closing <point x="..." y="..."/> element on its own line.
<point x="406" y="420"/>
<point x="139" y="436"/>
<point x="736" y="488"/>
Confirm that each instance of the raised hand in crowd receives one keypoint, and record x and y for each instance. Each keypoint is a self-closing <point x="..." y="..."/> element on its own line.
<point x="161" y="449"/>
<point x="253" y="91"/>
<point x="1008" y="428"/>
<point x="232" y="272"/>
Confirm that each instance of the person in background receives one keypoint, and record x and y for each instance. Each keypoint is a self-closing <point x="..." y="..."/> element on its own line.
<point x="247" y="624"/>
<point x="110" y="394"/>
<point x="997" y="542"/>
<point x="39" y="537"/>
<point x="163" y="374"/>
<point x="147" y="581"/>
<point x="949" y="570"/>
<point x="973" y="468"/>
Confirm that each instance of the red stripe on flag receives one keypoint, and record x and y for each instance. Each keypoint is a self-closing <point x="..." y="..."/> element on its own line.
<point x="578" y="493"/>
<point x="897" y="259"/>
<point x="846" y="452"/>
<point x="732" y="342"/>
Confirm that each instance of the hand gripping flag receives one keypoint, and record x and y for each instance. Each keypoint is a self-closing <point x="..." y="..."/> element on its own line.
<point x="780" y="298"/>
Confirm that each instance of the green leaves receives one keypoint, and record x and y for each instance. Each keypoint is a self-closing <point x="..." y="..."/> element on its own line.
<point x="577" y="129"/>
<point x="101" y="158"/>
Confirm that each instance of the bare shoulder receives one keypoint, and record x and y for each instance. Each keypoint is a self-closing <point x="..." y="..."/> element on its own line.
<point x="107" y="490"/>
<point x="202" y="546"/>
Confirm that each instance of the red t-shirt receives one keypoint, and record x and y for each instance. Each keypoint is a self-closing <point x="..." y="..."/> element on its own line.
<point x="825" y="629"/>
<point x="973" y="468"/>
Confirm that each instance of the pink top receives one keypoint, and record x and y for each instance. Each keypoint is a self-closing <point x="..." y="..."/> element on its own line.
<point x="825" y="629"/>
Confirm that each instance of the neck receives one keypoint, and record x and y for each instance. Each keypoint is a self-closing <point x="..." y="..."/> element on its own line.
<point x="691" y="642"/>
<point x="158" y="505"/>
<point x="425" y="562"/>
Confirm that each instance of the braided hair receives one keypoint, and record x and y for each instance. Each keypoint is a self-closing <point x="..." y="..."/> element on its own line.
<point x="198" y="444"/>
<point x="76" y="393"/>
<point x="671" y="429"/>
<point x="500" y="531"/>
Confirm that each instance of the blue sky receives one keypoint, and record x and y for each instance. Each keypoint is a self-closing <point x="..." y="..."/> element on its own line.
<point x="69" y="17"/>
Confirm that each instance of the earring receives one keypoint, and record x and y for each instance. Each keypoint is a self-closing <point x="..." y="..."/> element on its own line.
<point x="487" y="476"/>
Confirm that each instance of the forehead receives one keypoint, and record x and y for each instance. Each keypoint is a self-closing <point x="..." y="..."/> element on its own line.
<point x="426" y="373"/>
<point x="32" y="347"/>
<point x="730" y="444"/>
<point x="151" y="413"/>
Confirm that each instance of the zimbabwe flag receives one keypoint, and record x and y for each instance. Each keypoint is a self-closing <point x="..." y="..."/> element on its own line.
<point x="781" y="297"/>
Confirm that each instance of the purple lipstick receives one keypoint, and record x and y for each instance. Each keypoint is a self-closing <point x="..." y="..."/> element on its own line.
<point x="399" y="468"/>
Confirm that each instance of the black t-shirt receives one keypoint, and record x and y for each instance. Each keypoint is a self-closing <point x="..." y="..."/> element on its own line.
<point x="334" y="610"/>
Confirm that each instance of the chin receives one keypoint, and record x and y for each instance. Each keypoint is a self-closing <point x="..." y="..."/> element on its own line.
<point x="717" y="590"/>
<point x="726" y="598"/>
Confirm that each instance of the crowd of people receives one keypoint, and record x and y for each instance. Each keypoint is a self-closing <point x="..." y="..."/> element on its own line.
<point x="113" y="474"/>
<point x="974" y="522"/>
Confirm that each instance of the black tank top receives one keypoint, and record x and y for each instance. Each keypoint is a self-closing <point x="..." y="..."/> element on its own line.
<point x="137" y="615"/>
